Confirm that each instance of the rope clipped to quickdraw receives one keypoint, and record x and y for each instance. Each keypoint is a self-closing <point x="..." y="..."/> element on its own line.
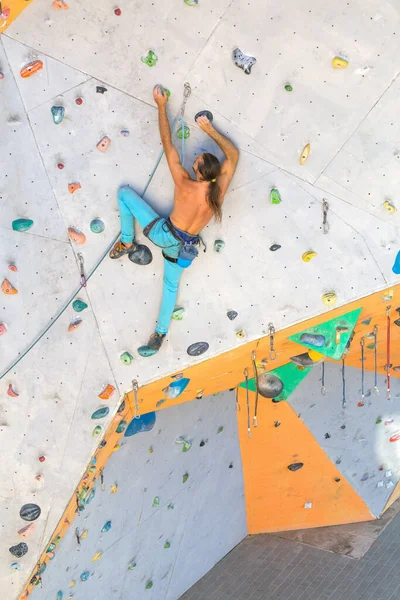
<point x="361" y="402"/>
<point x="246" y="378"/>
<point x="81" y="269"/>
<point x="103" y="487"/>
<point x="186" y="93"/>
<point x="325" y="208"/>
<point x="375" y="390"/>
<point x="388" y="394"/>
<point x="237" y="399"/>
<point x="136" y="411"/>
<point x="272" y="351"/>
<point x="323" y="388"/>
<point x="253" y="360"/>
<point x="344" y="403"/>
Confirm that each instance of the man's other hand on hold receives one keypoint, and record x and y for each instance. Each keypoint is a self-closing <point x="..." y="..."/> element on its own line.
<point x="160" y="96"/>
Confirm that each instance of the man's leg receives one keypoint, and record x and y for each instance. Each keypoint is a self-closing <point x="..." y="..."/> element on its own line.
<point x="131" y="206"/>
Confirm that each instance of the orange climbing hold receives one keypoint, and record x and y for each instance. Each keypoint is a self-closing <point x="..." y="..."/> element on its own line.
<point x="11" y="392"/>
<point x="395" y="437"/>
<point x="103" y="144"/>
<point x="8" y="288"/>
<point x="31" y="68"/>
<point x="74" y="324"/>
<point x="72" y="187"/>
<point x="60" y="5"/>
<point x="25" y="532"/>
<point x="76" y="236"/>
<point x="12" y="268"/>
<point x="107" y="392"/>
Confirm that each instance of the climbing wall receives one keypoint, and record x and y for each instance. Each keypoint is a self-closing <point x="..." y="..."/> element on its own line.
<point x="179" y="497"/>
<point x="90" y="63"/>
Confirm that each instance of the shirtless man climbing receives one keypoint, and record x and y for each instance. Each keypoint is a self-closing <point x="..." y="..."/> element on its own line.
<point x="196" y="202"/>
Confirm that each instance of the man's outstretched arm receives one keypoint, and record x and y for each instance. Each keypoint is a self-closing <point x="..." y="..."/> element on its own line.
<point x="177" y="171"/>
<point x="228" y="148"/>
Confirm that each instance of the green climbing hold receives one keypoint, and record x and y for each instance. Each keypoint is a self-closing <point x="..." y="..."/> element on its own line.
<point x="178" y="313"/>
<point x="151" y="59"/>
<point x="97" y="226"/>
<point x="83" y="493"/>
<point x="167" y="545"/>
<point x="79" y="305"/>
<point x="191" y="2"/>
<point x="22" y="224"/>
<point x="220" y="429"/>
<point x="126" y="358"/>
<point x="58" y="113"/>
<point x="219" y="245"/>
<point x="186" y="445"/>
<point x="288" y="87"/>
<point x="131" y="565"/>
<point x="121" y="427"/>
<point x="166" y="90"/>
<point x="149" y="584"/>
<point x="156" y="501"/>
<point x="378" y="421"/>
<point x="171" y="506"/>
<point x="185" y="477"/>
<point x="57" y="539"/>
<point x="185" y="133"/>
<point x="92" y="469"/>
<point x="275" y="196"/>
<point x="97" y="431"/>
<point x="100" y="413"/>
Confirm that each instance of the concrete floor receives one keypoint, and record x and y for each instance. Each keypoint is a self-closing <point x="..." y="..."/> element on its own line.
<point x="266" y="567"/>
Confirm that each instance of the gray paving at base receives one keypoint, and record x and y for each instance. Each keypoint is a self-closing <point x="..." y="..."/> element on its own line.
<point x="266" y="567"/>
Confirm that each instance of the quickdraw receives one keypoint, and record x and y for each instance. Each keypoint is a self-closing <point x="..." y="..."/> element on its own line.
<point x="361" y="402"/>
<point x="388" y="394"/>
<point x="136" y="411"/>
<point x="375" y="390"/>
<point x="83" y="280"/>
<point x="253" y="360"/>
<point x="272" y="351"/>
<point x="78" y="537"/>
<point x="103" y="487"/>
<point x="325" y="208"/>
<point x="344" y="403"/>
<point x="237" y="400"/>
<point x="323" y="388"/>
<point x="246" y="378"/>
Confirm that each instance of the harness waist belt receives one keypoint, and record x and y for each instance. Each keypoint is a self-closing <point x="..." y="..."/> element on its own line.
<point x="183" y="236"/>
<point x="169" y="258"/>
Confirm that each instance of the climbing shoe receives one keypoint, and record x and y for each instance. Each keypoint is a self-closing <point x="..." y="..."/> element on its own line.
<point x="120" y="249"/>
<point x="153" y="346"/>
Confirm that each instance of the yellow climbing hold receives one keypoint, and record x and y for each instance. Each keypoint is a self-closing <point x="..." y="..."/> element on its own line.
<point x="240" y="334"/>
<point x="84" y="534"/>
<point x="97" y="556"/>
<point x="307" y="256"/>
<point x="116" y="447"/>
<point x="389" y="207"/>
<point x="72" y="582"/>
<point x="315" y="356"/>
<point x="305" y="153"/>
<point x="114" y="489"/>
<point x="339" y="63"/>
<point x="329" y="298"/>
<point x="387" y="296"/>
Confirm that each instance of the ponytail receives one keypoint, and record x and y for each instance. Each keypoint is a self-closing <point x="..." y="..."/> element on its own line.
<point x="210" y="169"/>
<point x="213" y="199"/>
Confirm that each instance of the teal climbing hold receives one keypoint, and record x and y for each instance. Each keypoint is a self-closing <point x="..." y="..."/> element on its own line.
<point x="106" y="527"/>
<point x="151" y="59"/>
<point x="22" y="224"/>
<point x="160" y="402"/>
<point x="367" y="321"/>
<point x="146" y="351"/>
<point x="97" y="226"/>
<point x="91" y="496"/>
<point x="85" y="576"/>
<point x="126" y="358"/>
<point x="121" y="426"/>
<point x="313" y="339"/>
<point x="58" y="113"/>
<point x="79" y="305"/>
<point x="51" y="547"/>
<point x="183" y="134"/>
<point x="97" y="431"/>
<point x="100" y="413"/>
<point x="59" y="595"/>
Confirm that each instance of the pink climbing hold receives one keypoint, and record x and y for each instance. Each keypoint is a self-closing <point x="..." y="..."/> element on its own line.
<point x="13" y="268"/>
<point x="26" y="531"/>
<point x="79" y="101"/>
<point x="3" y="329"/>
<point x="60" y="166"/>
<point x="118" y="12"/>
<point x="11" y="392"/>
<point x="42" y="458"/>
<point x="1" y="75"/>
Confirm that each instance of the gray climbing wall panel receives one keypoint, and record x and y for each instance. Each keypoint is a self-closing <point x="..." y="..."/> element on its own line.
<point x="359" y="436"/>
<point x="202" y="519"/>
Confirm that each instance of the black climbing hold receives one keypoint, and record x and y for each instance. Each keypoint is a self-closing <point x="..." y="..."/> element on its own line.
<point x="243" y="61"/>
<point x="343" y="427"/>
<point x="202" y="443"/>
<point x="231" y="466"/>
<point x="100" y="89"/>
<point x="337" y="479"/>
<point x="275" y="401"/>
<point x="397" y="322"/>
<point x="269" y="386"/>
<point x="122" y="407"/>
<point x="338" y="461"/>
<point x="30" y="512"/>
<point x="277" y="423"/>
<point x="304" y="360"/>
<point x="102" y="444"/>
<point x="231" y="314"/>
<point x="204" y="113"/>
<point x="19" y="550"/>
<point x="198" y="348"/>
<point x="275" y="247"/>
<point x="295" y="466"/>
<point x="141" y="256"/>
<point x="327" y="436"/>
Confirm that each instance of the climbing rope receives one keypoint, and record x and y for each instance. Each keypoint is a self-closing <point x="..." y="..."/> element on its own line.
<point x="85" y="278"/>
<point x="343" y="386"/>
<point x="375" y="391"/>
<point x="325" y="208"/>
<point x="388" y="394"/>
<point x="246" y="378"/>
<point x="253" y="360"/>
<point x="323" y="388"/>
<point x="362" y="341"/>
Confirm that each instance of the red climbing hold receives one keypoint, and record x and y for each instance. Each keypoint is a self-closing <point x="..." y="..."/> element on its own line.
<point x="42" y="458"/>
<point x="395" y="437"/>
<point x="118" y="12"/>
<point x="79" y="101"/>
<point x="60" y="166"/>
<point x="13" y="268"/>
<point x="8" y="288"/>
<point x="11" y="392"/>
<point x="3" y="329"/>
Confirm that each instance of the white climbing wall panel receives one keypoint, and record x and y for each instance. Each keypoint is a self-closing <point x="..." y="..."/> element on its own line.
<point x="201" y="519"/>
<point x="357" y="438"/>
<point x="348" y="116"/>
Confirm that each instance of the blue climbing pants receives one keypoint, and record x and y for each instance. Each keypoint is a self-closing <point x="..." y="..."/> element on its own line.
<point x="132" y="206"/>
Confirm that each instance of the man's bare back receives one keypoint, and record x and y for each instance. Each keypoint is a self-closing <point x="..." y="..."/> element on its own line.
<point x="191" y="211"/>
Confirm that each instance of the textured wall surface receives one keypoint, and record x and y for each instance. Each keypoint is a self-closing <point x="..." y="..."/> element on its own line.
<point x="346" y="115"/>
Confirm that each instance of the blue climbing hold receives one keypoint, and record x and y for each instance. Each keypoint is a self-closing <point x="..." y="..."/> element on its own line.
<point x="100" y="413"/>
<point x="396" y="266"/>
<point x="106" y="527"/>
<point x="85" y="576"/>
<point x="314" y="339"/>
<point x="176" y="388"/>
<point x="58" y="113"/>
<point x="91" y="496"/>
<point x="59" y="595"/>
<point x="144" y="423"/>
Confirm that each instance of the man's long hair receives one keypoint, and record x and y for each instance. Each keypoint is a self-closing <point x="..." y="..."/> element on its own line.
<point x="209" y="168"/>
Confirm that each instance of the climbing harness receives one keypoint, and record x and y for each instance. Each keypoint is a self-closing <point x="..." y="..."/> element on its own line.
<point x="83" y="282"/>
<point x="375" y="390"/>
<point x="246" y="378"/>
<point x="81" y="269"/>
<point x="323" y="388"/>
<point x="272" y="351"/>
<point x="343" y="386"/>
<point x="136" y="412"/>
<point x="325" y="208"/>
<point x="237" y="399"/>
<point x="388" y="394"/>
<point x="362" y="341"/>
<point x="253" y="360"/>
